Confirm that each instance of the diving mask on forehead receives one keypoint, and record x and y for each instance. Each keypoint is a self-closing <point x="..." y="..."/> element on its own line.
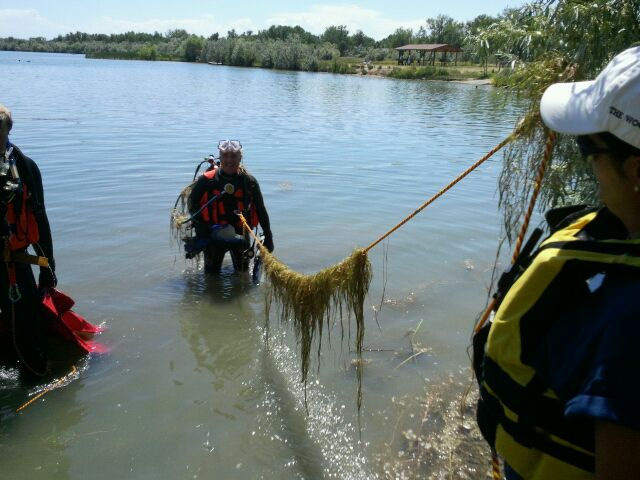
<point x="232" y="146"/>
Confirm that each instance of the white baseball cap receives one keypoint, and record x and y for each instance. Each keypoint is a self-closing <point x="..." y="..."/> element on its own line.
<point x="610" y="103"/>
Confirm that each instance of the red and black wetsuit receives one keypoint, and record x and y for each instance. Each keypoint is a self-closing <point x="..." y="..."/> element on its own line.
<point x="18" y="213"/>
<point x="246" y="198"/>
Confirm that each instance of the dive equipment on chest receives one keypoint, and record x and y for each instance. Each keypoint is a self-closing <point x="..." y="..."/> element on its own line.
<point x="219" y="210"/>
<point x="22" y="225"/>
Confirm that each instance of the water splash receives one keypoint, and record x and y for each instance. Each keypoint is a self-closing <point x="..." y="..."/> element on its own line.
<point x="324" y="442"/>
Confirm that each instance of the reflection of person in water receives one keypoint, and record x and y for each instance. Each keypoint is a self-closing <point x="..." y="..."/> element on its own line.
<point x="250" y="396"/>
<point x="222" y="343"/>
<point x="216" y="221"/>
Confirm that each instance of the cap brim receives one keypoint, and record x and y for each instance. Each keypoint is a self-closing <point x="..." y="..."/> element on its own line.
<point x="568" y="108"/>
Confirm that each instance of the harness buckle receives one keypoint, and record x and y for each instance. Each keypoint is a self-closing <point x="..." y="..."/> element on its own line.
<point x="14" y="293"/>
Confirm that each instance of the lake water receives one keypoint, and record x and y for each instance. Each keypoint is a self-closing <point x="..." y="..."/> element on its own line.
<point x="189" y="388"/>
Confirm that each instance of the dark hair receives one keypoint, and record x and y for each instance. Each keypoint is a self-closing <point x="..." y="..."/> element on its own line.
<point x="620" y="148"/>
<point x="5" y="117"/>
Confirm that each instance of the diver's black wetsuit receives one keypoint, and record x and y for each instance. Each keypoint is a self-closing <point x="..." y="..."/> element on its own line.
<point x="214" y="254"/>
<point x="25" y="329"/>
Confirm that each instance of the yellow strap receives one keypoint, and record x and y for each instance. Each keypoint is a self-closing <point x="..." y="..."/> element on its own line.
<point x="21" y="257"/>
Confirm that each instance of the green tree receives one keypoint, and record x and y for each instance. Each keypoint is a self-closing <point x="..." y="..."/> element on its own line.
<point x="444" y="29"/>
<point x="359" y="39"/>
<point x="193" y="48"/>
<point x="283" y="32"/>
<point x="178" y="33"/>
<point x="147" y="52"/>
<point x="401" y="36"/>
<point x="243" y="53"/>
<point x="555" y="41"/>
<point x="338" y="35"/>
<point x="477" y="45"/>
<point x="481" y="22"/>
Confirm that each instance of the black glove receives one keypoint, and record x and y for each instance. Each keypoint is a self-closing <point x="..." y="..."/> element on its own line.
<point x="268" y="242"/>
<point x="47" y="279"/>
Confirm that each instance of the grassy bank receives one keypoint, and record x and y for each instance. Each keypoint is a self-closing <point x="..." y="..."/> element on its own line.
<point x="437" y="73"/>
<point x="343" y="65"/>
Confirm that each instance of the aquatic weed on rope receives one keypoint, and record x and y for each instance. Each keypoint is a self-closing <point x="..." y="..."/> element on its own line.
<point x="310" y="301"/>
<point x="179" y="215"/>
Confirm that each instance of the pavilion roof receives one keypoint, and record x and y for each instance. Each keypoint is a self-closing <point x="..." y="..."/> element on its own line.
<point x="431" y="47"/>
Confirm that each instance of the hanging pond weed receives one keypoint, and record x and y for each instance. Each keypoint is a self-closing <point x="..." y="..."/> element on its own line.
<point x="309" y="302"/>
<point x="178" y="225"/>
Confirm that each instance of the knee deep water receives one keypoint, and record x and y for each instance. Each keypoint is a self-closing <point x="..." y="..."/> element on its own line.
<point x="190" y="389"/>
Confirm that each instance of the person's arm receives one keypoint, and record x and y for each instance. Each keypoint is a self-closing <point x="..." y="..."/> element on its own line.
<point x="193" y="202"/>
<point x="607" y="393"/>
<point x="263" y="215"/>
<point x="617" y="451"/>
<point x="47" y="276"/>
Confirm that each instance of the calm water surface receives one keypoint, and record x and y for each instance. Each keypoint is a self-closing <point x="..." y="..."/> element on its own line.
<point x="189" y="389"/>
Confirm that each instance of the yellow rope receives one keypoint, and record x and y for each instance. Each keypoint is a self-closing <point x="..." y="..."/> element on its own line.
<point x="495" y="466"/>
<point x="498" y="147"/>
<point x="250" y="230"/>
<point x="496" y="470"/>
<point x="551" y="138"/>
<point x="48" y="389"/>
<point x="507" y="140"/>
<point x="445" y="189"/>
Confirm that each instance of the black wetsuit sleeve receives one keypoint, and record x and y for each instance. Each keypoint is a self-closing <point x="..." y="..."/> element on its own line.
<point x="196" y="194"/>
<point x="30" y="175"/>
<point x="261" y="210"/>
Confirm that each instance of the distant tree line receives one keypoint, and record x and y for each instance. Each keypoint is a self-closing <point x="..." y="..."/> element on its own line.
<point x="279" y="46"/>
<point x="517" y="35"/>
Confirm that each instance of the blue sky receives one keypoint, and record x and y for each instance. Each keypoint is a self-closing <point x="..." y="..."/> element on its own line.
<point x="376" y="18"/>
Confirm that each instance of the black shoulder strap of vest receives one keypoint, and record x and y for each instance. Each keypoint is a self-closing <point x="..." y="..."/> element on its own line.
<point x="509" y="277"/>
<point x="561" y="217"/>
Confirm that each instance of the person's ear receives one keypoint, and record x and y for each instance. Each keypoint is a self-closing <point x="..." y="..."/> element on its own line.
<point x="633" y="169"/>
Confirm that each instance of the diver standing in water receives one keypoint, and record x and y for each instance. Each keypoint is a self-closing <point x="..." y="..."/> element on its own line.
<point x="559" y="392"/>
<point x="214" y="203"/>
<point x="23" y="223"/>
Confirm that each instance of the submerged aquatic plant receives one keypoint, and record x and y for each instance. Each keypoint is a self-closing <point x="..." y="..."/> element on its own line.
<point x="179" y="215"/>
<point x="311" y="301"/>
<point x="434" y="435"/>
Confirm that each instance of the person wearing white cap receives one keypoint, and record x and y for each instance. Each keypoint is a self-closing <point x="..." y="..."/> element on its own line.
<point x="558" y="364"/>
<point x="215" y="201"/>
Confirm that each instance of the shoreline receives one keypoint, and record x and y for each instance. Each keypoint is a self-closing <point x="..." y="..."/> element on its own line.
<point x="385" y="72"/>
<point x="359" y="69"/>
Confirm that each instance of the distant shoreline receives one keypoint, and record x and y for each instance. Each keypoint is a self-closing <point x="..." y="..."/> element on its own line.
<point x="343" y="66"/>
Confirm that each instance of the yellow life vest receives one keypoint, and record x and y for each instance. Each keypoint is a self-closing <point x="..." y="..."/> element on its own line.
<point x="518" y="413"/>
